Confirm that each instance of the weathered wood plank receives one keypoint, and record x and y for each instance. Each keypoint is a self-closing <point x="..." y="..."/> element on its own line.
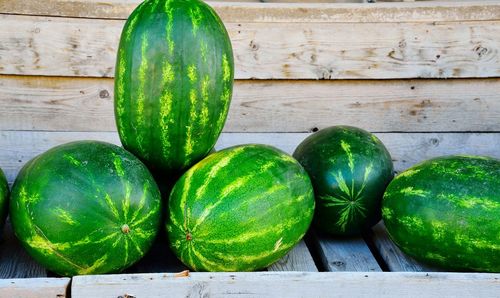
<point x="34" y="287"/>
<point x="15" y="261"/>
<point x="298" y="259"/>
<point x="55" y="46"/>
<point x="305" y="11"/>
<point x="17" y="147"/>
<point x="86" y="104"/>
<point x="341" y="254"/>
<point x="289" y="284"/>
<point x="393" y="257"/>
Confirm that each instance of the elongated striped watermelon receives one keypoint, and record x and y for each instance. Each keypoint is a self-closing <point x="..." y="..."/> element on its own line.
<point x="173" y="85"/>
<point x="239" y="209"/>
<point x="446" y="212"/>
<point x="350" y="169"/>
<point x="85" y="207"/>
<point x="4" y="198"/>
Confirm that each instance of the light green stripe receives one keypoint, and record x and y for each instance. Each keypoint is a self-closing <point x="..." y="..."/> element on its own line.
<point x="120" y="96"/>
<point x="142" y="201"/>
<point x="193" y="116"/>
<point x="196" y="18"/>
<point x="347" y="148"/>
<point x="170" y="25"/>
<point x="226" y="69"/>
<point x="142" y="78"/>
<point x="205" y="101"/>
<point x="166" y="102"/>
<point x="126" y="201"/>
<point x="96" y="265"/>
<point x="64" y="216"/>
<point x="112" y="206"/>
<point x="185" y="189"/>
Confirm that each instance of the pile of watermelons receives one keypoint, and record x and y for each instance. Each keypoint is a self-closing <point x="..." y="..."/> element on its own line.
<point x="90" y="207"/>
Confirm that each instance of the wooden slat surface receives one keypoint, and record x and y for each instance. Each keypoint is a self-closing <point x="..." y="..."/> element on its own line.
<point x="394" y="258"/>
<point x="279" y="284"/>
<point x="303" y="11"/>
<point x="86" y="104"/>
<point x="17" y="147"/>
<point x="55" y="46"/>
<point x="14" y="260"/>
<point x="298" y="259"/>
<point x="341" y="254"/>
<point x="34" y="287"/>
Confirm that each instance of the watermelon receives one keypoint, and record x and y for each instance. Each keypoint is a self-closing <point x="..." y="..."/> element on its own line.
<point x="4" y="198"/>
<point x="85" y="207"/>
<point x="173" y="82"/>
<point x="446" y="212"/>
<point x="239" y="209"/>
<point x="350" y="169"/>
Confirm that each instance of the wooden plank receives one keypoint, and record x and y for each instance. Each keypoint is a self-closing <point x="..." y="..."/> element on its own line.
<point x="394" y="258"/>
<point x="15" y="261"/>
<point x="54" y="46"/>
<point x="304" y="11"/>
<point x="34" y="287"/>
<point x="298" y="259"/>
<point x="289" y="284"/>
<point x="17" y="147"/>
<point x="86" y="104"/>
<point x="341" y="254"/>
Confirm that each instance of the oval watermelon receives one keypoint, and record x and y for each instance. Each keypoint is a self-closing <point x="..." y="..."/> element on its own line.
<point x="4" y="198"/>
<point x="446" y="212"/>
<point x="239" y="209"/>
<point x="350" y="169"/>
<point x="85" y="207"/>
<point x="173" y="83"/>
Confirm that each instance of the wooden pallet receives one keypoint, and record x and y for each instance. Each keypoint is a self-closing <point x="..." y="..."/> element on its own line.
<point x="423" y="76"/>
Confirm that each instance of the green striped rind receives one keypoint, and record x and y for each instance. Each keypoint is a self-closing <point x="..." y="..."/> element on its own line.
<point x="446" y="212"/>
<point x="243" y="208"/>
<point x="173" y="85"/>
<point x="4" y="198"/>
<point x="350" y="169"/>
<point x="70" y="204"/>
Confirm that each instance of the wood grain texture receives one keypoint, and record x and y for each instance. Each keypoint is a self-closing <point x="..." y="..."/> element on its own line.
<point x="34" y="287"/>
<point x="86" y="104"/>
<point x="54" y="46"/>
<point x="298" y="259"/>
<point x="394" y="258"/>
<point x="14" y="260"/>
<point x="302" y="11"/>
<point x="345" y="254"/>
<point x="289" y="284"/>
<point x="17" y="147"/>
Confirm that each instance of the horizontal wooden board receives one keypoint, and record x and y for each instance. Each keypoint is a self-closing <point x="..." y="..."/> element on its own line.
<point x="274" y="284"/>
<point x="303" y="11"/>
<point x="34" y="287"/>
<point x="298" y="259"/>
<point x="86" y="104"/>
<point x="54" y="46"/>
<point x="17" y="147"/>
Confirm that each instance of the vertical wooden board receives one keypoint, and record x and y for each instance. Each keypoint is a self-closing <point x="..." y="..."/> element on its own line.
<point x="298" y="259"/>
<point x="14" y="260"/>
<point x="394" y="258"/>
<point x="340" y="254"/>
<point x="34" y="287"/>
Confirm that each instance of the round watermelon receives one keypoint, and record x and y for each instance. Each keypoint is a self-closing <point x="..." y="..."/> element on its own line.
<point x="239" y="209"/>
<point x="173" y="82"/>
<point x="4" y="198"/>
<point x="446" y="212"/>
<point x="350" y="169"/>
<point x="85" y="207"/>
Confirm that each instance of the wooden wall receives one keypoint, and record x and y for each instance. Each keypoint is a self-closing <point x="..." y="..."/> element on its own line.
<point x="424" y="76"/>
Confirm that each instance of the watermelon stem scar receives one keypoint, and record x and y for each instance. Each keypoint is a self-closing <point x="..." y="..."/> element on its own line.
<point x="125" y="229"/>
<point x="189" y="237"/>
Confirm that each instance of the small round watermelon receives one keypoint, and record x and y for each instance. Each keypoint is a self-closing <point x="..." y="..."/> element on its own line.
<point x="239" y="209"/>
<point x="4" y="198"/>
<point x="446" y="212"/>
<point x="350" y="169"/>
<point x="85" y="207"/>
